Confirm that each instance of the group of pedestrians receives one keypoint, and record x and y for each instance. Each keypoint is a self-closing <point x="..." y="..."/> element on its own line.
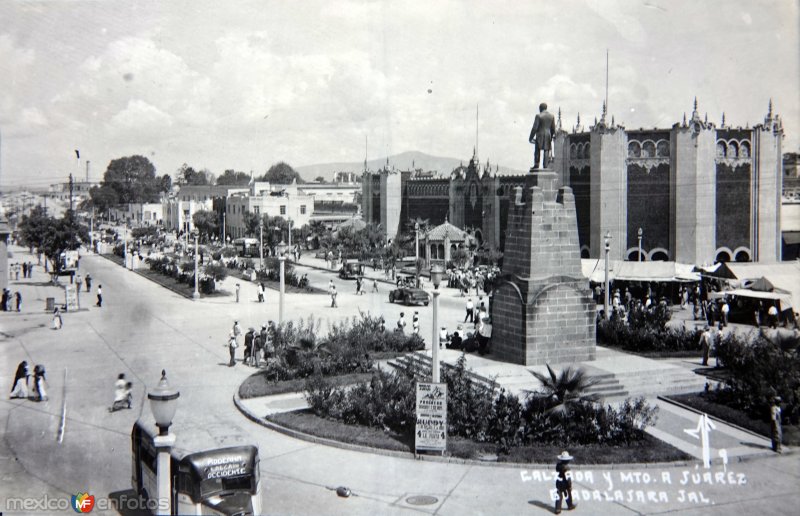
<point x="27" y="386"/>
<point x="11" y="302"/>
<point x="258" y="345"/>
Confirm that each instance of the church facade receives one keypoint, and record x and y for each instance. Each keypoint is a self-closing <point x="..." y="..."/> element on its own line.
<point x="699" y="192"/>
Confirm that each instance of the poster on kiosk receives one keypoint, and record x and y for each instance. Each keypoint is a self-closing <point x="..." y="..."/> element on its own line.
<point x="431" y="417"/>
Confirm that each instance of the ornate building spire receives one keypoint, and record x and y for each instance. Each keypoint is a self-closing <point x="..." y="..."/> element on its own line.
<point x="558" y="124"/>
<point x="684" y="119"/>
<point x="722" y="125"/>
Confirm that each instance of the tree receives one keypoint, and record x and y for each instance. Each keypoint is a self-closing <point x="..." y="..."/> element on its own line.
<point x="189" y="176"/>
<point x="103" y="197"/>
<point x="281" y="173"/>
<point x="233" y="178"/>
<point x="566" y="390"/>
<point x="32" y="228"/>
<point x="53" y="236"/>
<point x="207" y="223"/>
<point x="251" y="223"/>
<point x="320" y="180"/>
<point x="133" y="178"/>
<point x="460" y="257"/>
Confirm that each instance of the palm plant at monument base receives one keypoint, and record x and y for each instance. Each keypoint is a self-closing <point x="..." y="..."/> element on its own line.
<point x="562" y="413"/>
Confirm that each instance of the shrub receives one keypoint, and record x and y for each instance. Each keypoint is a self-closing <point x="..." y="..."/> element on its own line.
<point x="480" y="412"/>
<point x="759" y="371"/>
<point x="642" y="337"/>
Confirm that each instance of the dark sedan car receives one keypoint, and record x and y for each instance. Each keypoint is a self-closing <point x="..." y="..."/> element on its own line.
<point x="409" y="296"/>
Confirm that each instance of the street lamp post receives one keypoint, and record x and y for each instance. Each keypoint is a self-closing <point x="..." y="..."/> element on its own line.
<point x="639" y="234"/>
<point x="196" y="293"/>
<point x="223" y="225"/>
<point x="436" y="279"/>
<point x="416" y="241"/>
<point x="607" y="240"/>
<point x="261" y="243"/>
<point x="125" y="243"/>
<point x="163" y="404"/>
<point x="281" y="260"/>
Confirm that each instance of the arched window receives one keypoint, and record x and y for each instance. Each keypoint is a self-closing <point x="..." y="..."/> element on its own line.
<point x="660" y="256"/>
<point x="722" y="149"/>
<point x="744" y="150"/>
<point x="723" y="257"/>
<point x="573" y="151"/>
<point x="743" y="256"/>
<point x="584" y="252"/>
<point x="440" y="252"/>
<point x="662" y="149"/>
<point x="733" y="150"/>
<point x="633" y="256"/>
<point x="648" y="149"/>
<point x="634" y="149"/>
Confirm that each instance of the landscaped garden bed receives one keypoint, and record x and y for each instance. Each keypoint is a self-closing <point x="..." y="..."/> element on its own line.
<point x="754" y="372"/>
<point x="484" y="419"/>
<point x="645" y="332"/>
<point x="346" y="354"/>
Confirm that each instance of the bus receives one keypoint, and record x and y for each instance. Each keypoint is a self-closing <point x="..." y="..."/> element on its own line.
<point x="247" y="247"/>
<point x="214" y="469"/>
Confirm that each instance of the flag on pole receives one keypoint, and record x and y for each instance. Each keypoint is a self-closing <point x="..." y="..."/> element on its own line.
<point x="77" y="154"/>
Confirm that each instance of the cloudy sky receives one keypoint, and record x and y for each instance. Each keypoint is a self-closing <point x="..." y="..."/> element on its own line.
<point x="242" y="85"/>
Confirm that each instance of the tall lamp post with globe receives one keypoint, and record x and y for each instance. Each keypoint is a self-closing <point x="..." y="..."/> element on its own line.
<point x="607" y="241"/>
<point x="436" y="278"/>
<point x="196" y="235"/>
<point x="639" y="236"/>
<point x="163" y="404"/>
<point x="282" y="259"/>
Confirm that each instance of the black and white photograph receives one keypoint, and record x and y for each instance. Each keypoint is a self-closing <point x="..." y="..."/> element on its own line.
<point x="364" y="257"/>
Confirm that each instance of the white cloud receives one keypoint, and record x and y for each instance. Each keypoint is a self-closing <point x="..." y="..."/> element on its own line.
<point x="138" y="115"/>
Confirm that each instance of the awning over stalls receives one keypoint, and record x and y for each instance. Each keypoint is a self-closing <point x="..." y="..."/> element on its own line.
<point x="785" y="299"/>
<point x="782" y="275"/>
<point x="594" y="269"/>
<point x="718" y="270"/>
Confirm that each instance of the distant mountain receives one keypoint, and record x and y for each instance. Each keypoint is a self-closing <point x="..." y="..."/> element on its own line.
<point x="404" y="161"/>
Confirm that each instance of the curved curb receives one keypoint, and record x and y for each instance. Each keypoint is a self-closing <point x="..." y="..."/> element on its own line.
<point x="432" y="458"/>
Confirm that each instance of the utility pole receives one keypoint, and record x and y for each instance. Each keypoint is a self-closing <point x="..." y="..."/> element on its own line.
<point x="70" y="193"/>
<point x="87" y="172"/>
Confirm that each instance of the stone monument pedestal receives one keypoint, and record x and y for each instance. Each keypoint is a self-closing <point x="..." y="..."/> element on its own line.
<point x="543" y="311"/>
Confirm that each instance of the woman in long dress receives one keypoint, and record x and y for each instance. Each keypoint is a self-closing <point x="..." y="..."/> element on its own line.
<point x="57" y="322"/>
<point x="20" y="387"/>
<point x="39" y="384"/>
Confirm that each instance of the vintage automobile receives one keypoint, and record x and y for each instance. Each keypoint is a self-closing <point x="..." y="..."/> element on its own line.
<point x="409" y="296"/>
<point x="351" y="270"/>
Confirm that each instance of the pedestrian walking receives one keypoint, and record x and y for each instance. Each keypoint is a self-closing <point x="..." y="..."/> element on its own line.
<point x="470" y="307"/>
<point x="232" y="345"/>
<point x="260" y="292"/>
<point x="401" y="323"/>
<point x="39" y="383"/>
<point x="24" y="270"/>
<point x="88" y="282"/>
<point x="374" y="285"/>
<point x="100" y="295"/>
<point x="19" y="389"/>
<point x="776" y="424"/>
<point x="333" y="297"/>
<point x="78" y="282"/>
<point x="238" y="287"/>
<point x="415" y="323"/>
<point x="773" y="316"/>
<point x="237" y="330"/>
<point x="248" y="345"/>
<point x="564" y="482"/>
<point x="18" y="300"/>
<point x="724" y="310"/>
<point x="705" y="343"/>
<point x="122" y="394"/>
<point x="57" y="321"/>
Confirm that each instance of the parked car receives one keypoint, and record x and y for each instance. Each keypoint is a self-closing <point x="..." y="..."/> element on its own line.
<point x="351" y="270"/>
<point x="409" y="296"/>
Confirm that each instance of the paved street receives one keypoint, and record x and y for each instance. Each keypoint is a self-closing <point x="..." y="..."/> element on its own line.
<point x="143" y="328"/>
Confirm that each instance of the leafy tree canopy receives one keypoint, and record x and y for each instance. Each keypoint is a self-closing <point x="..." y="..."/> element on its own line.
<point x="103" y="197"/>
<point x="134" y="180"/>
<point x="233" y="178"/>
<point x="207" y="223"/>
<point x="53" y="236"/>
<point x="281" y="173"/>
<point x="189" y="176"/>
<point x="320" y="179"/>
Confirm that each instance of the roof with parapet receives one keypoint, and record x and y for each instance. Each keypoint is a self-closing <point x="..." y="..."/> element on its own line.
<point x="448" y="230"/>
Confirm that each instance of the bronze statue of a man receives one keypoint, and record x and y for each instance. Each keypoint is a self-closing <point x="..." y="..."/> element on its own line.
<point x="542" y="134"/>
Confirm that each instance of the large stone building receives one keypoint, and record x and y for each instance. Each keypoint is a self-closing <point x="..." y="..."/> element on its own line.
<point x="699" y="192"/>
